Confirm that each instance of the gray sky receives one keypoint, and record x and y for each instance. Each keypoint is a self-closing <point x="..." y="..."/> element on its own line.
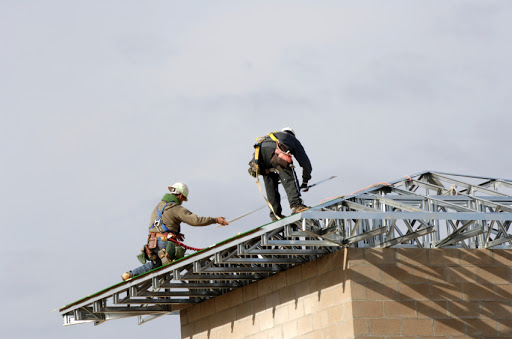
<point x="105" y="103"/>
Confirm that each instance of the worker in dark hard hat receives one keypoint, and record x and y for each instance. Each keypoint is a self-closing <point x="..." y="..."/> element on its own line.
<point x="165" y="225"/>
<point x="275" y="162"/>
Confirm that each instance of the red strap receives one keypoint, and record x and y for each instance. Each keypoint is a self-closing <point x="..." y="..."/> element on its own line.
<point x="185" y="246"/>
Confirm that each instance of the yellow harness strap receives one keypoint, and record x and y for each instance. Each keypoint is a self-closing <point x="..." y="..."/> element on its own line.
<point x="257" y="147"/>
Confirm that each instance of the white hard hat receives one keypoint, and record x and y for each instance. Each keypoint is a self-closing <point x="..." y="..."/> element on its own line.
<point x="179" y="188"/>
<point x="289" y="130"/>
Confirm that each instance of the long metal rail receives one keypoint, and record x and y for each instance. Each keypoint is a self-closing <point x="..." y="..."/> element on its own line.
<point x="427" y="210"/>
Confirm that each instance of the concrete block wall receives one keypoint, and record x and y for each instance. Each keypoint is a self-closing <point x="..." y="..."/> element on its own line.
<point x="384" y="293"/>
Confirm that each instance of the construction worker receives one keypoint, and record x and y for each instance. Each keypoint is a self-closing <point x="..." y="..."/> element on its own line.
<point x="272" y="168"/>
<point x="165" y="225"/>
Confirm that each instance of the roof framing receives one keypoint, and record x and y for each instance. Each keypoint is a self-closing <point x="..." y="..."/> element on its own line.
<point x="426" y="210"/>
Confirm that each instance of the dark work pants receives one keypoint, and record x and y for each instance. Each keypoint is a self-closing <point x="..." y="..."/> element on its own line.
<point x="271" y="182"/>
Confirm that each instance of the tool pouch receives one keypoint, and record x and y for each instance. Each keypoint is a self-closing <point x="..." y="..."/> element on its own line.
<point x="152" y="240"/>
<point x="164" y="257"/>
<point x="253" y="168"/>
<point x="282" y="156"/>
<point x="142" y="256"/>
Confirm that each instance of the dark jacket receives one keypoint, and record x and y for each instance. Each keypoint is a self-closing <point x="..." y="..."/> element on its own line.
<point x="295" y="148"/>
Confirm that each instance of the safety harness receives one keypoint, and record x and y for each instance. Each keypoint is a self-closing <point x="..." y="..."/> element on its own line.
<point x="167" y="254"/>
<point x="158" y="224"/>
<point x="282" y="157"/>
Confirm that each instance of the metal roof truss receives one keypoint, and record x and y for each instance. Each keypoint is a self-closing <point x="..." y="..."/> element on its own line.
<point x="425" y="210"/>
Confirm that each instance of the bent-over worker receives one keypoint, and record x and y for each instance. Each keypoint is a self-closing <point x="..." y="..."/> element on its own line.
<point x="272" y="168"/>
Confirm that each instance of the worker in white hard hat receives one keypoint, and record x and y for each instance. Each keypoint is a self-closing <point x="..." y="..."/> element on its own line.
<point x="275" y="163"/>
<point x="165" y="225"/>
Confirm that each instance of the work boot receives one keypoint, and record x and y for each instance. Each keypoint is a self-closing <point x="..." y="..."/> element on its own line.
<point x="125" y="276"/>
<point x="299" y="208"/>
<point x="274" y="218"/>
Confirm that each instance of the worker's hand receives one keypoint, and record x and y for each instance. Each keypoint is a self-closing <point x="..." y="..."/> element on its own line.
<point x="304" y="187"/>
<point x="179" y="236"/>
<point x="222" y="221"/>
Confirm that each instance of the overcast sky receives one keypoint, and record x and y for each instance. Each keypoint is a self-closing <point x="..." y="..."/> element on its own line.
<point x="105" y="103"/>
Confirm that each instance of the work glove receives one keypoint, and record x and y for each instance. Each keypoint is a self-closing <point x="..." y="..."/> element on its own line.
<point x="179" y="236"/>
<point x="304" y="187"/>
<point x="222" y="221"/>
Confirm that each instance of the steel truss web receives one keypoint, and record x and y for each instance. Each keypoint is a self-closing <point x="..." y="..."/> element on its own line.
<point x="427" y="210"/>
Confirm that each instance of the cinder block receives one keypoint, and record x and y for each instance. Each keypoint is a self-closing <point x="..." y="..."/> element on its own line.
<point x="194" y="314"/>
<point x="266" y="320"/>
<point x="412" y="256"/>
<point x="264" y="287"/>
<point x="286" y="294"/>
<point x="187" y="331"/>
<point x="290" y="329"/>
<point x="481" y="327"/>
<point x="221" y="302"/>
<point x="449" y="327"/>
<point x="392" y="274"/>
<point x="317" y="283"/>
<point x="399" y="309"/>
<point x="272" y="300"/>
<point x="250" y="292"/>
<point x="434" y="274"/>
<point x="367" y="309"/>
<point x="207" y="308"/>
<point x="281" y="315"/>
<point x="464" y="309"/>
<point x="503" y="292"/>
<point x="336" y="314"/>
<point x="476" y="257"/>
<point x="294" y="275"/>
<point x="309" y="270"/>
<point x="364" y="274"/>
<point x="305" y="325"/>
<point x="278" y="281"/>
<point x="332" y="278"/>
<point x="183" y="317"/>
<point x="384" y="326"/>
<point x="380" y="256"/>
<point x="320" y="319"/>
<point x="324" y="264"/>
<point x="493" y="275"/>
<point x="361" y="327"/>
<point x="496" y="309"/>
<point x="418" y="291"/>
<point x="505" y="328"/>
<point x="337" y="259"/>
<point x="460" y="274"/>
<point x="312" y="304"/>
<point x="432" y="309"/>
<point x="443" y="257"/>
<point x="243" y="311"/>
<point x="418" y="327"/>
<point x="221" y="318"/>
<point x="302" y="289"/>
<point x="358" y="290"/>
<point x="201" y="326"/>
<point x="236" y="297"/>
<point x="442" y="291"/>
<point x="258" y="305"/>
<point x="355" y="257"/>
<point x="478" y="292"/>
<point x="502" y="258"/>
<point x="331" y="297"/>
<point x="380" y="291"/>
<point x="330" y="332"/>
<point x="296" y="310"/>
